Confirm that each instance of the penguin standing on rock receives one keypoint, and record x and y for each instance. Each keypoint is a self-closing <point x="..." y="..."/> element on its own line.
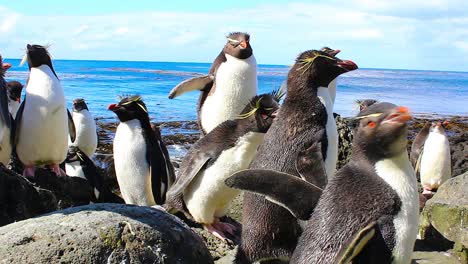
<point x="199" y="190"/>
<point x="14" y="89"/>
<point x="368" y="212"/>
<point x="433" y="162"/>
<point x="86" y="134"/>
<point x="42" y="122"/>
<point x="229" y="85"/>
<point x="5" y="118"/>
<point x="78" y="164"/>
<point x="269" y="231"/>
<point x="141" y="167"/>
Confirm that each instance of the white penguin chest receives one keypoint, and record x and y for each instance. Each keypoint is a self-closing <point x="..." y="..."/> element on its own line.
<point x="435" y="160"/>
<point x="86" y="135"/>
<point x="236" y="84"/>
<point x="43" y="135"/>
<point x="207" y="195"/>
<point x="131" y="167"/>
<point x="332" y="134"/>
<point x="399" y="174"/>
<point x="13" y="106"/>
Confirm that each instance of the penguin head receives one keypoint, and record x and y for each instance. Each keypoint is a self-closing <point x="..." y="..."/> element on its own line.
<point x="364" y="103"/>
<point x="4" y="66"/>
<point x="37" y="55"/>
<point x="129" y="108"/>
<point x="261" y="111"/>
<point x="238" y="45"/>
<point x="330" y="51"/>
<point x="439" y="127"/>
<point x="382" y="130"/>
<point x="14" y="89"/>
<point x="79" y="104"/>
<point x="319" y="67"/>
<point x="74" y="154"/>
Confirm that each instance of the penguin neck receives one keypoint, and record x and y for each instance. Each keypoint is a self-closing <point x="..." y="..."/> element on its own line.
<point x="324" y="94"/>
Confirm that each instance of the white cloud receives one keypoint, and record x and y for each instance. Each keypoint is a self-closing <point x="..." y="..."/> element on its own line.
<point x="363" y="29"/>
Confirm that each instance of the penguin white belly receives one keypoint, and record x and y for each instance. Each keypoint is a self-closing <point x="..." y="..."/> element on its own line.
<point x="74" y="169"/>
<point x="5" y="145"/>
<point x="86" y="136"/>
<point x="131" y="167"/>
<point x="13" y="106"/>
<point x="399" y="174"/>
<point x="332" y="133"/>
<point x="207" y="196"/>
<point x="435" y="161"/>
<point x="44" y="125"/>
<point x="236" y="84"/>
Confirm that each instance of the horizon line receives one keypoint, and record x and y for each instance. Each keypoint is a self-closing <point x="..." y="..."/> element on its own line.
<point x="364" y="68"/>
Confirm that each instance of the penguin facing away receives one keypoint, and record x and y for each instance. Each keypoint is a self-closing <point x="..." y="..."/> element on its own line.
<point x="86" y="133"/>
<point x="14" y="89"/>
<point x="5" y="118"/>
<point x="435" y="162"/>
<point x="199" y="190"/>
<point x="229" y="85"/>
<point x="42" y="121"/>
<point x="140" y="164"/>
<point x="78" y="164"/>
<point x="270" y="231"/>
<point x="368" y="212"/>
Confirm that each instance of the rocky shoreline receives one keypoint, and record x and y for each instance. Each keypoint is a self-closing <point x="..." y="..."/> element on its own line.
<point x="22" y="199"/>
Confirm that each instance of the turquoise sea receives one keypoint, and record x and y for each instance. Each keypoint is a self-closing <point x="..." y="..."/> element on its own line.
<point x="101" y="82"/>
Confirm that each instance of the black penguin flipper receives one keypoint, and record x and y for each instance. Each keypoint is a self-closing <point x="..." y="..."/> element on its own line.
<point x="418" y="143"/>
<point x="4" y="104"/>
<point x="169" y="168"/>
<point x="310" y="165"/>
<point x="196" y="83"/>
<point x="288" y="191"/>
<point x="17" y="127"/>
<point x="357" y="244"/>
<point x="71" y="127"/>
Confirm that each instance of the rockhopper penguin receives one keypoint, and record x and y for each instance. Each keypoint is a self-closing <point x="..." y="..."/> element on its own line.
<point x="229" y="85"/>
<point x="368" y="212"/>
<point x="270" y="231"/>
<point x="199" y="190"/>
<point x="141" y="167"/>
<point x="42" y="122"/>
<point x="86" y="134"/>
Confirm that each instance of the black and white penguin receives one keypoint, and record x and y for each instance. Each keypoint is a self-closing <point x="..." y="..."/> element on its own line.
<point x="14" y="89"/>
<point x="270" y="231"/>
<point x="229" y="85"/>
<point x="5" y="117"/>
<point x="435" y="165"/>
<point x="199" y="190"/>
<point x="42" y="121"/>
<point x="368" y="212"/>
<point x="78" y="164"/>
<point x="86" y="134"/>
<point x="143" y="171"/>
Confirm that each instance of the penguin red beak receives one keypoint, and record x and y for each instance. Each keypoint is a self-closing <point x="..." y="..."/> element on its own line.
<point x="400" y="115"/>
<point x="113" y="107"/>
<point x="6" y="66"/>
<point x="347" y="65"/>
<point x="243" y="44"/>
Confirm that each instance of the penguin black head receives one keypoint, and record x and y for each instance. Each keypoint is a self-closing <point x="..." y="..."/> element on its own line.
<point x="318" y="67"/>
<point x="364" y="103"/>
<point x="14" y="89"/>
<point x="382" y="130"/>
<point x="129" y="108"/>
<point x="238" y="45"/>
<point x="79" y="104"/>
<point x="37" y="55"/>
<point x="4" y="67"/>
<point x="261" y="111"/>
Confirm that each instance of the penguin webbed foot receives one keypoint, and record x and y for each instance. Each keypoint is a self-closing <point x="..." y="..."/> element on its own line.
<point x="55" y="168"/>
<point x="29" y="172"/>
<point x="223" y="230"/>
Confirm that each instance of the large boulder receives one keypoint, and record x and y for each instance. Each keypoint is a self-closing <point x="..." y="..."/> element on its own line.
<point x="447" y="213"/>
<point x="102" y="233"/>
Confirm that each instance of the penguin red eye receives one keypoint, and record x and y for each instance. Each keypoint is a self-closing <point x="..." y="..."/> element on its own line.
<point x="371" y="124"/>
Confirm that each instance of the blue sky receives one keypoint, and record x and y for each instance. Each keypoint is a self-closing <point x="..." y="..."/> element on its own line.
<point x="400" y="34"/>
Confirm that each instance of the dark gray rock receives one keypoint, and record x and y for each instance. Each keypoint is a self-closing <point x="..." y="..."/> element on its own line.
<point x="102" y="233"/>
<point x="345" y="139"/>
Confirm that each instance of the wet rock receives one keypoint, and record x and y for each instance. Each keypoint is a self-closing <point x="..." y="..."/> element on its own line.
<point x="102" y="233"/>
<point x="458" y="152"/>
<point x="345" y="139"/>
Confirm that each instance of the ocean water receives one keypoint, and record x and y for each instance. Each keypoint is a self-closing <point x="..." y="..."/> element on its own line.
<point x="100" y="83"/>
